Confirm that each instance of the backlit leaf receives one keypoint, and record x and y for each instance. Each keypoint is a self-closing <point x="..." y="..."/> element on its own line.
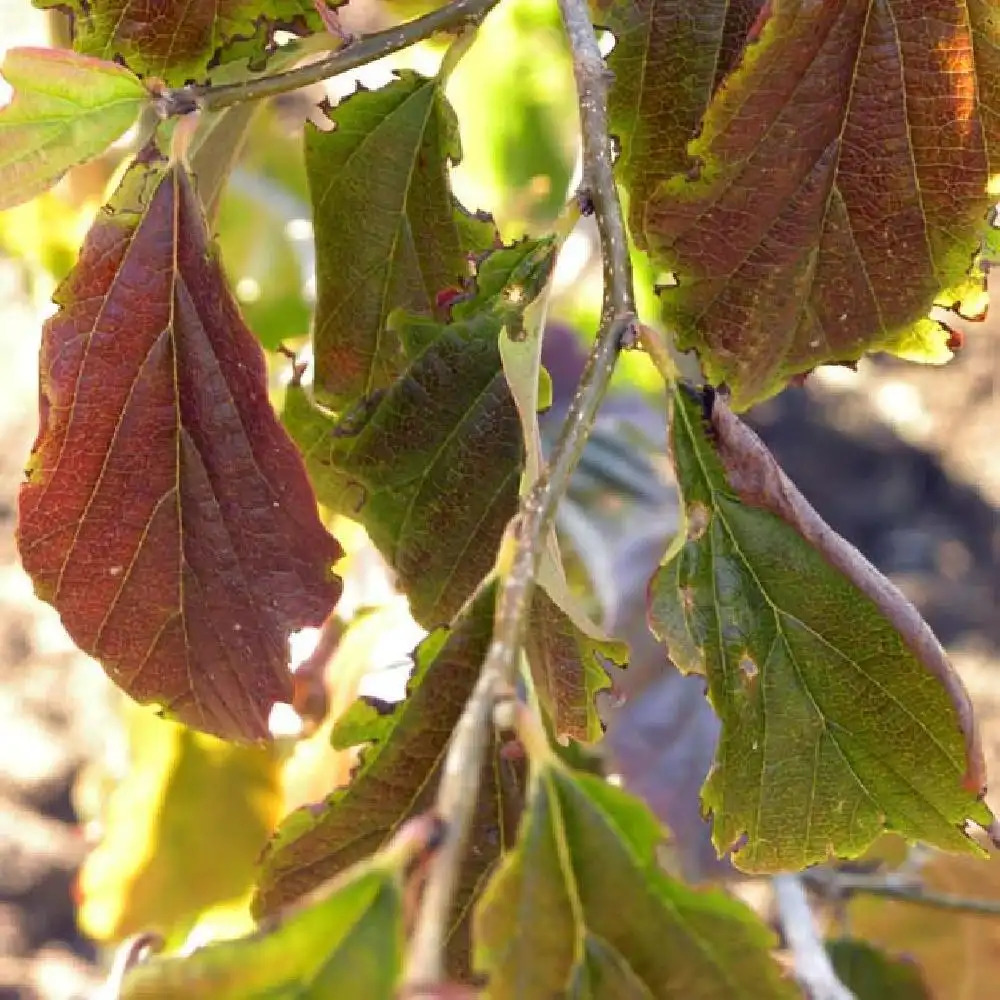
<point x="166" y="515"/>
<point x="182" y="831"/>
<point x="431" y="465"/>
<point x="66" y="109"/>
<point x="389" y="233"/>
<point x="348" y="945"/>
<point x="669" y="56"/>
<point x="840" y="713"/>
<point x="836" y="189"/>
<point x="569" y="667"/>
<point x="580" y="908"/>
<point x="567" y="653"/>
<point x="398" y="776"/>
<point x="177" y="40"/>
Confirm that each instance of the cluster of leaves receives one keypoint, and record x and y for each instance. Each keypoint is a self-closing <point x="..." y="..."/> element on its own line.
<point x="785" y="163"/>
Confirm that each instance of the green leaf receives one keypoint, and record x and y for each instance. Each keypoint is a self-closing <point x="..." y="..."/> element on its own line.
<point x="569" y="667"/>
<point x="431" y="465"/>
<point x="580" y="908"/>
<point x="668" y="58"/>
<point x="389" y="232"/>
<point x="871" y="974"/>
<point x="176" y="40"/>
<point x="66" y="109"/>
<point x="841" y="715"/>
<point x="524" y="269"/>
<point x="837" y="189"/>
<point x="433" y="485"/>
<point x="431" y="468"/>
<point x="398" y="777"/>
<point x="348" y="944"/>
<point x="181" y="832"/>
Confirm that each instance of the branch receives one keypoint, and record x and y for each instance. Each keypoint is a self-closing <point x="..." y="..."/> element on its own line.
<point x="903" y="888"/>
<point x="810" y="960"/>
<point x="358" y="52"/>
<point x="458" y="792"/>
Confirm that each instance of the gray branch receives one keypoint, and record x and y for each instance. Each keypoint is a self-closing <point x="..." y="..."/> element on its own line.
<point x="356" y="53"/>
<point x="521" y="553"/>
<point x="810" y="960"/>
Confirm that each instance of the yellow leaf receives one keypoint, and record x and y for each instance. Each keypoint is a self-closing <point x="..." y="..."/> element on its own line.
<point x="182" y="831"/>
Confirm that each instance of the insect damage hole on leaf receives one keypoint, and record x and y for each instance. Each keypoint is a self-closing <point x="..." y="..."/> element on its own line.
<point x="748" y="668"/>
<point x="178" y="41"/>
<point x="166" y="514"/>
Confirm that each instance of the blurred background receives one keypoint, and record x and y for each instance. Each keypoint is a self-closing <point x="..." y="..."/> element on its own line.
<point x="111" y="820"/>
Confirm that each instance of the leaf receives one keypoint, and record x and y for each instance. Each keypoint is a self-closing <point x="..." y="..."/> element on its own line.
<point x="840" y="713"/>
<point x="165" y="514"/>
<point x="430" y="465"/>
<point x="66" y="109"/>
<point x="389" y="233"/>
<point x="870" y="974"/>
<point x="668" y="59"/>
<point x="568" y="654"/>
<point x="552" y="921"/>
<point x="398" y="776"/>
<point x="837" y="189"/>
<point x="182" y="831"/>
<point x="348" y="944"/>
<point x="510" y="275"/>
<point x="569" y="667"/>
<point x="178" y="41"/>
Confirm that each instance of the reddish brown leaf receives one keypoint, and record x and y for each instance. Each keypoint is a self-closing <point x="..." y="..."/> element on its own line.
<point x="178" y="40"/>
<point x="744" y="20"/>
<point x="837" y="188"/>
<point x="166" y="514"/>
<point x="669" y="57"/>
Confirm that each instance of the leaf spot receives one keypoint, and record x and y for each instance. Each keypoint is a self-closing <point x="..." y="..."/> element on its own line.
<point x="698" y="519"/>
